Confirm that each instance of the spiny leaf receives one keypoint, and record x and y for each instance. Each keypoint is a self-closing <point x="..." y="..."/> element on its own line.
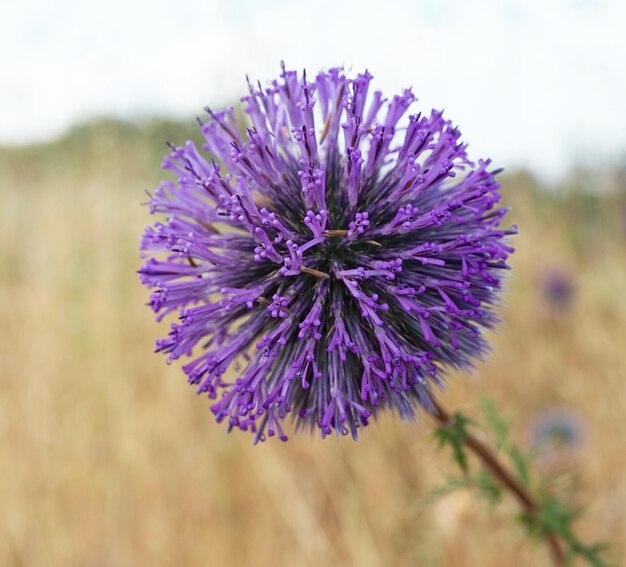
<point x="448" y="487"/>
<point x="520" y="465"/>
<point x="488" y="486"/>
<point x="556" y="517"/>
<point x="495" y="422"/>
<point x="454" y="433"/>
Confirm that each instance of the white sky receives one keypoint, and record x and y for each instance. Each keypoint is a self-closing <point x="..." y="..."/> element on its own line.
<point x="540" y="83"/>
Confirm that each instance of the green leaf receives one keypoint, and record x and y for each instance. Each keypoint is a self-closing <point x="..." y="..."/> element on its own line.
<point x="488" y="486"/>
<point x="556" y="517"/>
<point x="454" y="434"/>
<point x="495" y="422"/>
<point x="520" y="465"/>
<point x="448" y="487"/>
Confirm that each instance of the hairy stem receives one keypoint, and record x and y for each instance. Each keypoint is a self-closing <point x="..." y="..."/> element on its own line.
<point x="508" y="481"/>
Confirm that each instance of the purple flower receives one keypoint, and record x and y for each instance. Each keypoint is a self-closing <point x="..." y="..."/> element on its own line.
<point x="557" y="286"/>
<point x="554" y="430"/>
<point x="328" y="259"/>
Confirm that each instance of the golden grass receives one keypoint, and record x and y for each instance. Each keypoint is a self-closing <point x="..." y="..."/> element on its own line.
<point x="109" y="459"/>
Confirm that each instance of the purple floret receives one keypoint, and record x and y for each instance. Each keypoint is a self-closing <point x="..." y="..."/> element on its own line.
<point x="328" y="263"/>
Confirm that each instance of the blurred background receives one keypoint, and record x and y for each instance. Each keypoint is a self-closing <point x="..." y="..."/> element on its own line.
<point x="107" y="457"/>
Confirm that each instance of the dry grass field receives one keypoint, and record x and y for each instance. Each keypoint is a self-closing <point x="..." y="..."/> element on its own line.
<point x="107" y="457"/>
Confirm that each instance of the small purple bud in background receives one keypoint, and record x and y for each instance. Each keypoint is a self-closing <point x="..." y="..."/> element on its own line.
<point x="343" y="252"/>
<point x="556" y="432"/>
<point x="557" y="288"/>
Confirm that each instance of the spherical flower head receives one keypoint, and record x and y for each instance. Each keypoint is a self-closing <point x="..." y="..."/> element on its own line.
<point x="557" y="286"/>
<point x="328" y="259"/>
<point x="555" y="431"/>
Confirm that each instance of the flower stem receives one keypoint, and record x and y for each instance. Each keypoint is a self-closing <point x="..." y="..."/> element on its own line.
<point x="508" y="481"/>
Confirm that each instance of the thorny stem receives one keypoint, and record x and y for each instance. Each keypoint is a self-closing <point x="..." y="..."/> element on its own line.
<point x="506" y="479"/>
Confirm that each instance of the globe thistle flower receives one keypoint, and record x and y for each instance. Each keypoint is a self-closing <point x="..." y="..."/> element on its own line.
<point x="557" y="287"/>
<point x="556" y="430"/>
<point x="328" y="260"/>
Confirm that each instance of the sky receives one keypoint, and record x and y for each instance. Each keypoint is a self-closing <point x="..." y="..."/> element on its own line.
<point x="534" y="83"/>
